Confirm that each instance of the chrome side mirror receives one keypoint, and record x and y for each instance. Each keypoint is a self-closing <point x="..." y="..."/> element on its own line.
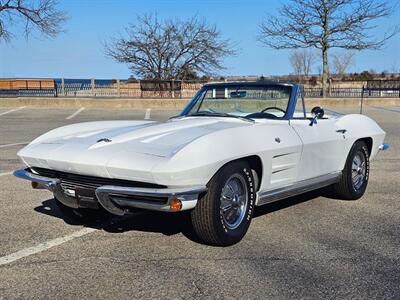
<point x="317" y="113"/>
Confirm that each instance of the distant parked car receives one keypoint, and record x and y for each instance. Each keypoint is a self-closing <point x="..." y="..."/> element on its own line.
<point x="234" y="147"/>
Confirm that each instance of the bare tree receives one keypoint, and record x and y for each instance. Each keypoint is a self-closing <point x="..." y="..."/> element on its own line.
<point x="41" y="15"/>
<point x="341" y="62"/>
<point x="302" y="61"/>
<point x="172" y="49"/>
<point x="296" y="62"/>
<point x="326" y="24"/>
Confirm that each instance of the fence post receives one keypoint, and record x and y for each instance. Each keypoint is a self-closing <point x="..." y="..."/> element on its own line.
<point x="172" y="89"/>
<point x="62" y="87"/>
<point x="362" y="100"/>
<point x="330" y="87"/>
<point x="118" y="88"/>
<point x="92" y="86"/>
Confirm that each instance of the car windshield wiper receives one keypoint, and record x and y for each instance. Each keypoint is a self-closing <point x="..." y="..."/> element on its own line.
<point x="219" y="114"/>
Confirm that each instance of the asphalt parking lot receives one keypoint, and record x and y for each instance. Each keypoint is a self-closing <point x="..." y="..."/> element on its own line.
<point x="304" y="247"/>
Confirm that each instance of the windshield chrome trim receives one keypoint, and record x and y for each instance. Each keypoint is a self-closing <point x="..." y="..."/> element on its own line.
<point x="192" y="102"/>
<point x="294" y="94"/>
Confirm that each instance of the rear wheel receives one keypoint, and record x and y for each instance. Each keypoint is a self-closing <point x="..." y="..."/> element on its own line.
<point x="355" y="175"/>
<point x="81" y="214"/>
<point x="223" y="215"/>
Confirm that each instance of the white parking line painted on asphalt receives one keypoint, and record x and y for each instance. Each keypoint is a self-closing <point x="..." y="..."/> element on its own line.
<point x="75" y="113"/>
<point x="15" y="144"/>
<point x="4" y="260"/>
<point x="6" y="173"/>
<point x="12" y="110"/>
<point x="391" y="108"/>
<point x="147" y="114"/>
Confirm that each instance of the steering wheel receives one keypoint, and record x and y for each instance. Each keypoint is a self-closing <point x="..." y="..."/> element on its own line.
<point x="262" y="115"/>
<point x="277" y="108"/>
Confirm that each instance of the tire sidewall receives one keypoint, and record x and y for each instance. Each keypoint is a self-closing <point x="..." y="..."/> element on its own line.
<point x="230" y="236"/>
<point x="359" y="147"/>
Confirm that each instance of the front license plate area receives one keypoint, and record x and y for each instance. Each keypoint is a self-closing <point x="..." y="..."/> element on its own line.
<point x="86" y="198"/>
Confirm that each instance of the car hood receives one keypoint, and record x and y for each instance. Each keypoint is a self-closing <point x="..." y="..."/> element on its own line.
<point x="95" y="146"/>
<point x="160" y="139"/>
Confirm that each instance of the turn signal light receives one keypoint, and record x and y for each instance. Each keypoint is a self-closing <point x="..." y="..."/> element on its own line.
<point x="37" y="185"/>
<point x="175" y="205"/>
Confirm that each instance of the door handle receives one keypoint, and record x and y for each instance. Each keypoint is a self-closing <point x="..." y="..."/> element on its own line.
<point x="342" y="131"/>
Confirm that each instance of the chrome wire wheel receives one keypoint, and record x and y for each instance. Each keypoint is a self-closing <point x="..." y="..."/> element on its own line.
<point x="234" y="201"/>
<point x="358" y="170"/>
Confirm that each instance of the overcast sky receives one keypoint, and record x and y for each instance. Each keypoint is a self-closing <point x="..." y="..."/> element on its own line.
<point x="79" y="53"/>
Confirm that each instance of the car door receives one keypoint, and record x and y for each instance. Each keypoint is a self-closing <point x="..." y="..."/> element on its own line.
<point x="322" y="148"/>
<point x="281" y="156"/>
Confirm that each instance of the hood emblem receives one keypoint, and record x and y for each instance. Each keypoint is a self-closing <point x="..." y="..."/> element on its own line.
<point x="106" y="140"/>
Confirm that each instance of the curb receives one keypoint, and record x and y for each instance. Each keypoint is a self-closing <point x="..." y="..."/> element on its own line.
<point x="168" y="104"/>
<point x="172" y="104"/>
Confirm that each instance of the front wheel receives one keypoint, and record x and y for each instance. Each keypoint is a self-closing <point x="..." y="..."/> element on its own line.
<point x="355" y="175"/>
<point x="222" y="217"/>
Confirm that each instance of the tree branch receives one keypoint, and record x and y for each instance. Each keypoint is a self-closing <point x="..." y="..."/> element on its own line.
<point x="41" y="15"/>
<point x="172" y="49"/>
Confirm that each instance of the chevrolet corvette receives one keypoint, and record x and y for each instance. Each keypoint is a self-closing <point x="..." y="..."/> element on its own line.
<point x="236" y="146"/>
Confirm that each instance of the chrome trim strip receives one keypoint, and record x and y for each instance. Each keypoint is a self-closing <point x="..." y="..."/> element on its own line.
<point x="52" y="184"/>
<point x="151" y="192"/>
<point x="383" y="147"/>
<point x="301" y="187"/>
<point x="48" y="183"/>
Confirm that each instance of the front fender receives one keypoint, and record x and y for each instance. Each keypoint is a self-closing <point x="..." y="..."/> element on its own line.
<point x="197" y="162"/>
<point x="359" y="127"/>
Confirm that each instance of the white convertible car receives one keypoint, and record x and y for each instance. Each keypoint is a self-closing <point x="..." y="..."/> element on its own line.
<point x="235" y="146"/>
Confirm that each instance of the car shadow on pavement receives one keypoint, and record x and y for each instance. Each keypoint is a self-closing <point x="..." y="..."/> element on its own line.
<point x="288" y="202"/>
<point x="164" y="223"/>
<point x="145" y="221"/>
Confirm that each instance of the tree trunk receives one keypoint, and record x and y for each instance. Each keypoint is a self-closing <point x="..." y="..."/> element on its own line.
<point x="325" y="72"/>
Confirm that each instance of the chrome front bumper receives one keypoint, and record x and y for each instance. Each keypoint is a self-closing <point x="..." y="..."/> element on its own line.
<point x="117" y="199"/>
<point x="383" y="147"/>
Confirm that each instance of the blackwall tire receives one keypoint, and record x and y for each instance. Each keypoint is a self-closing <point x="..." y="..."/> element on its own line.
<point x="355" y="175"/>
<point x="223" y="215"/>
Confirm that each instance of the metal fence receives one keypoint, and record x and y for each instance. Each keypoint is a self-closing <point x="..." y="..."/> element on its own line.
<point x="353" y="93"/>
<point x="28" y="93"/>
<point x="174" y="89"/>
<point x="334" y="92"/>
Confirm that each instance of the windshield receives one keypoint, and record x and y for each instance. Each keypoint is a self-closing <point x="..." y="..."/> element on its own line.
<point x="269" y="102"/>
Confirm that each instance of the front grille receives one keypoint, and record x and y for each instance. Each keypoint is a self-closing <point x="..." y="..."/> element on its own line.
<point x="74" y="181"/>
